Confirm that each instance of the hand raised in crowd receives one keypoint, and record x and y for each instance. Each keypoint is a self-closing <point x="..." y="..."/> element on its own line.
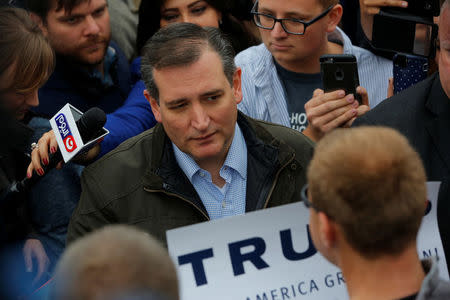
<point x="327" y="111"/>
<point x="369" y="8"/>
<point x="40" y="154"/>
<point x="34" y="248"/>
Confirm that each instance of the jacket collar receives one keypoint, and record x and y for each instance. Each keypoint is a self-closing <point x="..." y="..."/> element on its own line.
<point x="265" y="153"/>
<point x="438" y="103"/>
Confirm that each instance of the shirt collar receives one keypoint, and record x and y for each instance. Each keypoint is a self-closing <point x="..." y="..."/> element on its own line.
<point x="234" y="159"/>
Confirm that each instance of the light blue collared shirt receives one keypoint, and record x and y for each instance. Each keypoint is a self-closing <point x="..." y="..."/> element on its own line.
<point x="230" y="199"/>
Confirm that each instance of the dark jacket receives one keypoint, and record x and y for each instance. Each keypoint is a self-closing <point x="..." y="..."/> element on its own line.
<point x="71" y="84"/>
<point x="15" y="222"/>
<point x="422" y="114"/>
<point x="140" y="182"/>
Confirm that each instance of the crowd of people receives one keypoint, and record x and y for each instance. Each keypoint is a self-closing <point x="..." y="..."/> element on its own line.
<point x="214" y="109"/>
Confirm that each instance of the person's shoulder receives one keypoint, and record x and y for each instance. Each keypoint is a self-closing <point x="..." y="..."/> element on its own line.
<point x="251" y="55"/>
<point x="364" y="55"/>
<point x="295" y="139"/>
<point x="400" y="107"/>
<point x="130" y="155"/>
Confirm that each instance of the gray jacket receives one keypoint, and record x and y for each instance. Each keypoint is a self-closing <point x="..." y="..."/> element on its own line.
<point x="433" y="287"/>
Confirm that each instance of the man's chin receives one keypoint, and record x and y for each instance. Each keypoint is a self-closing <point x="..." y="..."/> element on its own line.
<point x="89" y="62"/>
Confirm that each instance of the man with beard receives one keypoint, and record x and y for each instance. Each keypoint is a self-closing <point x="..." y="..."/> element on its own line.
<point x="90" y="71"/>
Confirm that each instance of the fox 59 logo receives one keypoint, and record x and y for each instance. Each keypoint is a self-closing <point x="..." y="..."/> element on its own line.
<point x="66" y="135"/>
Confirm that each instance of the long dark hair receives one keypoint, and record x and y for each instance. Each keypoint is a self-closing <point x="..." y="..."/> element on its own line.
<point x="150" y="16"/>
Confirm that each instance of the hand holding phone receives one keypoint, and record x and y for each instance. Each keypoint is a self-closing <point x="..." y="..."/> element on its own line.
<point x="340" y="72"/>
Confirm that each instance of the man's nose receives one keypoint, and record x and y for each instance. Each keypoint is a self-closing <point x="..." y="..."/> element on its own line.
<point x="199" y="117"/>
<point x="278" y="31"/>
<point x="91" y="26"/>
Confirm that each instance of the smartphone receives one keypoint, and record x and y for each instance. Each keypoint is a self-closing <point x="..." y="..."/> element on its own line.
<point x="405" y="34"/>
<point x="408" y="70"/>
<point x="340" y="72"/>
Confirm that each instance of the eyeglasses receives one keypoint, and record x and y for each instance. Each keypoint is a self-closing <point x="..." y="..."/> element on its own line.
<point x="290" y="25"/>
<point x="309" y="204"/>
<point x="304" y="196"/>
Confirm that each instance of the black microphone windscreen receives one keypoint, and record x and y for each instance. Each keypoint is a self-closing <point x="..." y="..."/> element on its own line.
<point x="90" y="123"/>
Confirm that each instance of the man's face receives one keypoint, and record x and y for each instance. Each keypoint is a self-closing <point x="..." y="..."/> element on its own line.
<point x="288" y="49"/>
<point x="82" y="34"/>
<point x="444" y="53"/>
<point x="198" y="107"/>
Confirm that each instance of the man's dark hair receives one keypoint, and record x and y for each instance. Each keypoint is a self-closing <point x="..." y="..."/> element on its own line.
<point x="42" y="7"/>
<point x="182" y="44"/>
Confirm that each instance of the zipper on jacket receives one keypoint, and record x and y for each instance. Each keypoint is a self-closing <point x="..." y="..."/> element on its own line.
<point x="179" y="197"/>
<point x="275" y="181"/>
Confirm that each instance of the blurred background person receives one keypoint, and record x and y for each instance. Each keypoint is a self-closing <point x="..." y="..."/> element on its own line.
<point x="116" y="262"/>
<point x="26" y="62"/>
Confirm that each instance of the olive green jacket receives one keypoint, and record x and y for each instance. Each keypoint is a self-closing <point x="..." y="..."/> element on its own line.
<point x="140" y="183"/>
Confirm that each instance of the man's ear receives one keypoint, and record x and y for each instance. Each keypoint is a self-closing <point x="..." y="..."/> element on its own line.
<point x="334" y="17"/>
<point x="38" y="20"/>
<point x="328" y="230"/>
<point x="237" y="86"/>
<point x="154" y="105"/>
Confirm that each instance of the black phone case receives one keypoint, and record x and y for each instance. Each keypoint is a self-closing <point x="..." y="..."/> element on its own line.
<point x="340" y="72"/>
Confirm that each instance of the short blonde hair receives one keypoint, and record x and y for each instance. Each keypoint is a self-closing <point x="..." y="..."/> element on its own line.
<point x="373" y="184"/>
<point x="24" y="52"/>
<point x="113" y="261"/>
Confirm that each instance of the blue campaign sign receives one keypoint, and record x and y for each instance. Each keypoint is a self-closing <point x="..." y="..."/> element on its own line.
<point x="269" y="255"/>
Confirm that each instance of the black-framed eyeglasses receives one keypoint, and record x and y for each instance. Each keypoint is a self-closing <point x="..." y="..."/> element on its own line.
<point x="309" y="204"/>
<point x="304" y="196"/>
<point x="290" y="25"/>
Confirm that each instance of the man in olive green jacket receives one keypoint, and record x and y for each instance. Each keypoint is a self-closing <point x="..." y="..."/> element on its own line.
<point x="204" y="160"/>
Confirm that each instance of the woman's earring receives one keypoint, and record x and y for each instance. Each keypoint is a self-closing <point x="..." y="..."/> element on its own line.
<point x="220" y="22"/>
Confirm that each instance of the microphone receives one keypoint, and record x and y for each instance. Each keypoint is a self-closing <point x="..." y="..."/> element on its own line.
<point x="89" y="126"/>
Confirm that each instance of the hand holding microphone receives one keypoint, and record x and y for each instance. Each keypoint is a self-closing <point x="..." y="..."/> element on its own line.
<point x="88" y="126"/>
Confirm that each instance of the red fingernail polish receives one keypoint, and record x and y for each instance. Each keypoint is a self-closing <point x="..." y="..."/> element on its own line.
<point x="28" y="175"/>
<point x="53" y="150"/>
<point x="45" y="161"/>
<point x="40" y="172"/>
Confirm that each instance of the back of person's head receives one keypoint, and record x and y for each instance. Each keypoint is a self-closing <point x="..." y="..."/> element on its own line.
<point x="42" y="7"/>
<point x="115" y="262"/>
<point x="182" y="44"/>
<point x="26" y="57"/>
<point x="371" y="182"/>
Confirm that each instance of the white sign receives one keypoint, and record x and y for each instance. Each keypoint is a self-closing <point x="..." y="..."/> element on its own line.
<point x="67" y="134"/>
<point x="429" y="241"/>
<point x="267" y="254"/>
